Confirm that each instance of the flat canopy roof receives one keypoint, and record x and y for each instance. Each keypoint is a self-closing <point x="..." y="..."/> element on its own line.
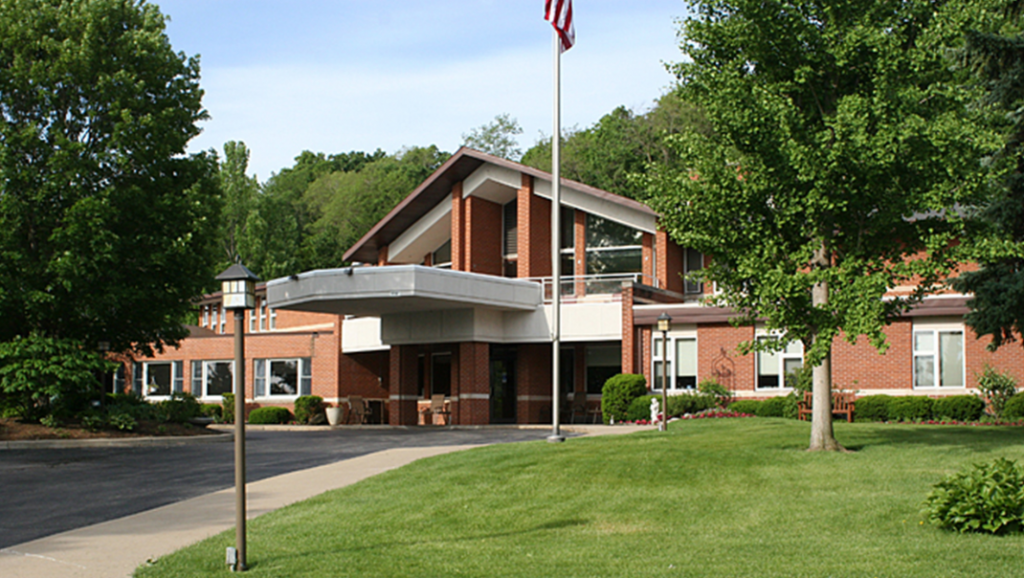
<point x="393" y="289"/>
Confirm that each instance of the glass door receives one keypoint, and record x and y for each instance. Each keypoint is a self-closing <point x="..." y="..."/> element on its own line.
<point x="503" y="385"/>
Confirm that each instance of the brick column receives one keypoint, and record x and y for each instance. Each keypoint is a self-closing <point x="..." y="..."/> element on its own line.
<point x="647" y="262"/>
<point x="533" y="383"/>
<point x="382" y="256"/>
<point x="458" y="228"/>
<point x="403" y="390"/>
<point x="474" y="376"/>
<point x="533" y="243"/>
<point x="580" y="257"/>
<point x="628" y="344"/>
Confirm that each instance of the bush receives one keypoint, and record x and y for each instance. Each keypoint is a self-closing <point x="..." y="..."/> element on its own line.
<point x="211" y="410"/>
<point x="227" y="408"/>
<point x="748" y="406"/>
<point x="269" y="415"/>
<point x="910" y="408"/>
<point x="872" y="408"/>
<point x="772" y="407"/>
<point x="640" y="408"/>
<point x="679" y="405"/>
<point x="710" y="386"/>
<point x="122" y="421"/>
<point x="988" y="498"/>
<point x="958" y="407"/>
<point x="800" y="379"/>
<point x="1014" y="408"/>
<point x="618" y="392"/>
<point x="307" y="407"/>
<point x="180" y="408"/>
<point x="997" y="388"/>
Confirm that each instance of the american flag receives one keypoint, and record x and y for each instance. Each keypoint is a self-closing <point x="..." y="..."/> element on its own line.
<point x="559" y="14"/>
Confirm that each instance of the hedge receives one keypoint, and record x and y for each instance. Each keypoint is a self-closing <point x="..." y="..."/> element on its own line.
<point x="269" y="415"/>
<point x="872" y="408"/>
<point x="958" y="408"/>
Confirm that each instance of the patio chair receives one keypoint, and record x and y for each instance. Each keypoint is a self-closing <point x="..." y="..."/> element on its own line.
<point x="579" y="407"/>
<point x="437" y="407"/>
<point x="356" y="410"/>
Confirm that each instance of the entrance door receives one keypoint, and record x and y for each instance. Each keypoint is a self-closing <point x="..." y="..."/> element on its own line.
<point x="503" y="384"/>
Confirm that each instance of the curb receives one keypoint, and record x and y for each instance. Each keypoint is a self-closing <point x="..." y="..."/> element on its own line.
<point x="114" y="442"/>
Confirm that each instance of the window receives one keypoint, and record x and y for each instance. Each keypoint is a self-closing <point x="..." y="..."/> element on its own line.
<point x="215" y="309"/>
<point x="252" y="316"/>
<point x="612" y="248"/>
<point x="603" y="361"/>
<point x="510" y="237"/>
<point x="692" y="261"/>
<point x="939" y="358"/>
<point x="212" y="378"/>
<point x="206" y="316"/>
<point x="273" y="319"/>
<point x="282" y="377"/>
<point x="161" y="379"/>
<point x="441" y="373"/>
<point x="774" y="366"/>
<point x="263" y="315"/>
<point x="682" y="363"/>
<point x="223" y="319"/>
<point x="442" y="257"/>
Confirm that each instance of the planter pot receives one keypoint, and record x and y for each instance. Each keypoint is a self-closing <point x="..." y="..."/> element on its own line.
<point x="334" y="415"/>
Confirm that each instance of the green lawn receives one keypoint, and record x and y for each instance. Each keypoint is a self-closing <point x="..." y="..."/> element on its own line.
<point x="728" y="497"/>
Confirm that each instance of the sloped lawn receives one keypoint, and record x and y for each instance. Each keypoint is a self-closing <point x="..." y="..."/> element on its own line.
<point x="727" y="497"/>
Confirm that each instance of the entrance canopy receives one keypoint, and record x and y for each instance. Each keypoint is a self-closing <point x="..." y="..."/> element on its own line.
<point x="378" y="291"/>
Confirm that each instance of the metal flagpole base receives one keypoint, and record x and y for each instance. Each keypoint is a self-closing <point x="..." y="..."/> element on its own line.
<point x="556" y="438"/>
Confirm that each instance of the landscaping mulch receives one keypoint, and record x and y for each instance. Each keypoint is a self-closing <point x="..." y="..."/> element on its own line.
<point x="13" y="430"/>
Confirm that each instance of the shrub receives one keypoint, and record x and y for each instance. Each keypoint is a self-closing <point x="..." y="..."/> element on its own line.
<point x="211" y="410"/>
<point x="910" y="408"/>
<point x="618" y="392"/>
<point x="180" y="408"/>
<point x="745" y="406"/>
<point x="93" y="421"/>
<point x="679" y="405"/>
<point x="710" y="386"/>
<point x="988" y="498"/>
<point x="269" y="415"/>
<point x="307" y="407"/>
<point x="122" y="421"/>
<point x="227" y="408"/>
<point x="872" y="408"/>
<point x="640" y="408"/>
<point x="958" y="407"/>
<point x="997" y="388"/>
<point x="1014" y="408"/>
<point x="772" y="407"/>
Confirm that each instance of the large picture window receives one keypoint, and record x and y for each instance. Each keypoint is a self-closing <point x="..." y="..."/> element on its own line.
<point x="161" y="379"/>
<point x="603" y="361"/>
<point x="939" y="358"/>
<point x="212" y="378"/>
<point x="773" y="367"/>
<point x="282" y="377"/>
<point x="682" y="363"/>
<point x="612" y="247"/>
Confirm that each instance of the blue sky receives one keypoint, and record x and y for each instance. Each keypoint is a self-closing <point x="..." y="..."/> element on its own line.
<point x="340" y="75"/>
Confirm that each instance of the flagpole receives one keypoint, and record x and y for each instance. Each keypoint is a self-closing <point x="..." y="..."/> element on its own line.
<point x="556" y="261"/>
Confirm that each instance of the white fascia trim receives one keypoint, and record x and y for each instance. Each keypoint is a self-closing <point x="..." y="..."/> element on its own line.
<point x="598" y="206"/>
<point x="474" y="396"/>
<point x="488" y="172"/>
<point x="420" y="228"/>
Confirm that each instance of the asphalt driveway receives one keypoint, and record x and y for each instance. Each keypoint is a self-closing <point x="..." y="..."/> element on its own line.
<point x="48" y="491"/>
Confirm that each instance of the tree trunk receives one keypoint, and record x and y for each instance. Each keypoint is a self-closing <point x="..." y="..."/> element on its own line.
<point x="822" y="437"/>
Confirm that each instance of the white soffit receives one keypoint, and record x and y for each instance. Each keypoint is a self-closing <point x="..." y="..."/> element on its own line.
<point x="424" y="236"/>
<point x="597" y="206"/>
<point x="493" y="183"/>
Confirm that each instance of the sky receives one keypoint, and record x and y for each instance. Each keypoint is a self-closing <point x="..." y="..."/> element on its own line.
<point x="335" y="76"/>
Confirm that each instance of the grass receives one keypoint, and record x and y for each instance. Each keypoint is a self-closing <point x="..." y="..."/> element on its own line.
<point x="729" y="498"/>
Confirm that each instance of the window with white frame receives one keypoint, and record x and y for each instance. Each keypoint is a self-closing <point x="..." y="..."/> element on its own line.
<point x="442" y="257"/>
<point x="223" y="319"/>
<point x="693" y="261"/>
<point x="939" y="356"/>
<point x="273" y="318"/>
<point x="161" y="378"/>
<point x="212" y="378"/>
<point x="612" y="247"/>
<point x="252" y="316"/>
<point x="510" y="237"/>
<point x="774" y="367"/>
<point x="263" y="315"/>
<point x="283" y="377"/>
<point x="214" y="309"/>
<point x="681" y="364"/>
<point x="206" y="316"/>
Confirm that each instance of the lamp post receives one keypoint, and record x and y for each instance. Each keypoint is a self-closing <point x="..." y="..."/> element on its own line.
<point x="238" y="287"/>
<point x="663" y="322"/>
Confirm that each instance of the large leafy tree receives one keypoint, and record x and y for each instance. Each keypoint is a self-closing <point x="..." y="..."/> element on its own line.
<point x="996" y="57"/>
<point x="840" y="150"/>
<point x="239" y="192"/>
<point x="498" y="138"/>
<point x="107" y="227"/>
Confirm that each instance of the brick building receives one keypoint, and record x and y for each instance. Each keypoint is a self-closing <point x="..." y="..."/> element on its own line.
<point x="452" y="294"/>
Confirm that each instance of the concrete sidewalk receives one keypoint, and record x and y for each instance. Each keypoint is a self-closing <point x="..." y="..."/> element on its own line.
<point x="114" y="549"/>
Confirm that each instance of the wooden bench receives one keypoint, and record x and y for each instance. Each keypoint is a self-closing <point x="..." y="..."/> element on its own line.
<point x="842" y="403"/>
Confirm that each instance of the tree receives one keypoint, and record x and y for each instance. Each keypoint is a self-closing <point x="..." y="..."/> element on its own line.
<point x="841" y="147"/>
<point x="997" y="287"/>
<point x="239" y="191"/>
<point x="496" y="138"/>
<point x="107" y="227"/>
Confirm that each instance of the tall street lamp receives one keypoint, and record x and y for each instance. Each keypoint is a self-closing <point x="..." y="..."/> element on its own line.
<point x="663" y="322"/>
<point x="238" y="287"/>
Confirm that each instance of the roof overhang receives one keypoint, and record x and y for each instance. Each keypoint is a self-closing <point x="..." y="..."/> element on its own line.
<point x="377" y="291"/>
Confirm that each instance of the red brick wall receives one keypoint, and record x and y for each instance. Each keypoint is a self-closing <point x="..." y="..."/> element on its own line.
<point x="533" y="243"/>
<point x="458" y="228"/>
<point x="861" y="366"/>
<point x="647" y="261"/>
<point x="473" y="371"/>
<point x="364" y="374"/>
<point x="628" y="334"/>
<point x="533" y="383"/>
<point x="670" y="263"/>
<point x="402" y="409"/>
<point x="483" y="235"/>
<point x="717" y="356"/>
